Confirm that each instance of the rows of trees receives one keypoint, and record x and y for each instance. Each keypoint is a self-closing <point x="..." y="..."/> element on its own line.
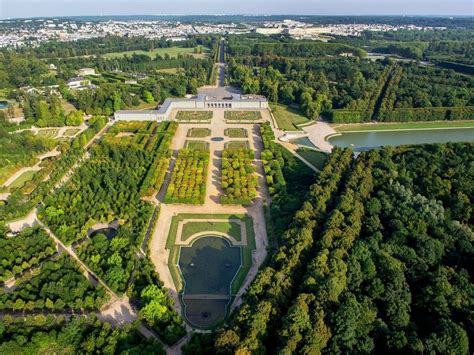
<point x="58" y="285"/>
<point x="40" y="334"/>
<point x="188" y="180"/>
<point x="238" y="177"/>
<point x="28" y="249"/>
<point x="378" y="260"/>
<point x="18" y="204"/>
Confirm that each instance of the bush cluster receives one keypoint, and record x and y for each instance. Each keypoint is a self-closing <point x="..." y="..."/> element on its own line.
<point x="238" y="177"/>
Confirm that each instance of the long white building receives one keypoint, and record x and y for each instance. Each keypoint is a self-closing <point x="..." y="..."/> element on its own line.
<point x="199" y="102"/>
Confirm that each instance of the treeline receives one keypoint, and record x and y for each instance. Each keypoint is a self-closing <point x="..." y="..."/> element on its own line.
<point x="44" y="181"/>
<point x="59" y="285"/>
<point x="39" y="334"/>
<point x="238" y="177"/>
<point x="378" y="260"/>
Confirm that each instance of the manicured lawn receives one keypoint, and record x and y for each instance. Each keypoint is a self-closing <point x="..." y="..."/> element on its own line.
<point x="315" y="158"/>
<point x="173" y="52"/>
<point x="403" y="125"/>
<point x="48" y="133"/>
<point x="288" y="118"/>
<point x="242" y="115"/>
<point x="67" y="107"/>
<point x="236" y="132"/>
<point x="199" y="145"/>
<point x="237" y="145"/>
<point x="22" y="179"/>
<point x="169" y="70"/>
<point x="194" y="116"/>
<point x="230" y="228"/>
<point x="198" y="132"/>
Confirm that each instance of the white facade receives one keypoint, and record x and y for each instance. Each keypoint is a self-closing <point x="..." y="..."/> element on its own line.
<point x="200" y="102"/>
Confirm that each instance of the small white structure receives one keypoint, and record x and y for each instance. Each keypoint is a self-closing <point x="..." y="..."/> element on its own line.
<point x="80" y="83"/>
<point x="86" y="71"/>
<point x="199" y="102"/>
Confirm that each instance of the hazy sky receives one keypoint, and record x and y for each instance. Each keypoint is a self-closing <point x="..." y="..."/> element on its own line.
<point x="37" y="8"/>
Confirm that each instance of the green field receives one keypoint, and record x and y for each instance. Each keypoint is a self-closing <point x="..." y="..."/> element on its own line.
<point x="314" y="157"/>
<point x="198" y="132"/>
<point x="236" y="132"/>
<point x="194" y="116"/>
<point x="169" y="70"/>
<point x="227" y="227"/>
<point x="402" y="125"/>
<point x="288" y="118"/>
<point x="242" y="115"/>
<point x="173" y="52"/>
<point x="21" y="180"/>
<point x="199" y="145"/>
<point x="71" y="132"/>
<point x="237" y="145"/>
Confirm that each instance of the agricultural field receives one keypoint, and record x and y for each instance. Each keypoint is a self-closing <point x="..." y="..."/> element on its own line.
<point x="198" y="132"/>
<point x="184" y="116"/>
<point x="288" y="118"/>
<point x="188" y="180"/>
<point x="205" y="257"/>
<point x="236" y="133"/>
<point x="238" y="177"/>
<point x="172" y="52"/>
<point x="242" y="115"/>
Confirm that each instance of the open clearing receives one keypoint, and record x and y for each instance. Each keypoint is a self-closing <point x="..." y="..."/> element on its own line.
<point x="288" y="118"/>
<point x="173" y="52"/>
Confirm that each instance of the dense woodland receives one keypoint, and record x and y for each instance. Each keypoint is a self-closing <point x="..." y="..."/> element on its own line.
<point x="378" y="259"/>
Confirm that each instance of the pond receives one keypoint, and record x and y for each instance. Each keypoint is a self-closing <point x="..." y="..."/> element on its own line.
<point x="360" y="141"/>
<point x="217" y="139"/>
<point x="208" y="267"/>
<point x="110" y="233"/>
<point x="3" y="104"/>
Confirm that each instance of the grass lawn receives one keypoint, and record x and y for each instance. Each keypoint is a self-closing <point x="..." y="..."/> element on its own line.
<point x="169" y="70"/>
<point x="48" y="133"/>
<point x="288" y="118"/>
<point x="236" y="132"/>
<point x="230" y="228"/>
<point x="237" y="145"/>
<point x="194" y="116"/>
<point x="199" y="145"/>
<point x="173" y="52"/>
<point x="242" y="115"/>
<point x="198" y="132"/>
<point x="67" y="107"/>
<point x="22" y="179"/>
<point x="315" y="158"/>
<point x="403" y="125"/>
<point x="71" y="132"/>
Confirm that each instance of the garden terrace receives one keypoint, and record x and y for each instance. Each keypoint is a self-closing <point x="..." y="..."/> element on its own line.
<point x="196" y="145"/>
<point x="288" y="117"/>
<point x="188" y="180"/>
<point x="238" y="180"/>
<point x="198" y="132"/>
<point x="242" y="115"/>
<point x="200" y="116"/>
<point x="236" y="133"/>
<point x="235" y="145"/>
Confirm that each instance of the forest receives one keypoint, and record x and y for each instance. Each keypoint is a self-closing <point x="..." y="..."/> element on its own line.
<point x="378" y="259"/>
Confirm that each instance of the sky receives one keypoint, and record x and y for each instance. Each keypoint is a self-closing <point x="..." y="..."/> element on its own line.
<point x="51" y="8"/>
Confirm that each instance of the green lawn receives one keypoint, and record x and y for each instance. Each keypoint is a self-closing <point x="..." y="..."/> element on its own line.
<point x="198" y="132"/>
<point x="48" y="133"/>
<point x="199" y="145"/>
<point x="169" y="70"/>
<point x="173" y="52"/>
<point x="71" y="132"/>
<point x="21" y="180"/>
<point x="230" y="228"/>
<point x="194" y="116"/>
<point x="237" y="145"/>
<point x="403" y="125"/>
<point x="236" y="132"/>
<point x="242" y="115"/>
<point x="315" y="158"/>
<point x="288" y="118"/>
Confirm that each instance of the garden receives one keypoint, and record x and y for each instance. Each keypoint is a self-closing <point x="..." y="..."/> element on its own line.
<point x="238" y="180"/>
<point x="205" y="116"/>
<point x="236" y="133"/>
<point x="198" y="132"/>
<point x="242" y="115"/>
<point x="188" y="181"/>
<point x="196" y="145"/>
